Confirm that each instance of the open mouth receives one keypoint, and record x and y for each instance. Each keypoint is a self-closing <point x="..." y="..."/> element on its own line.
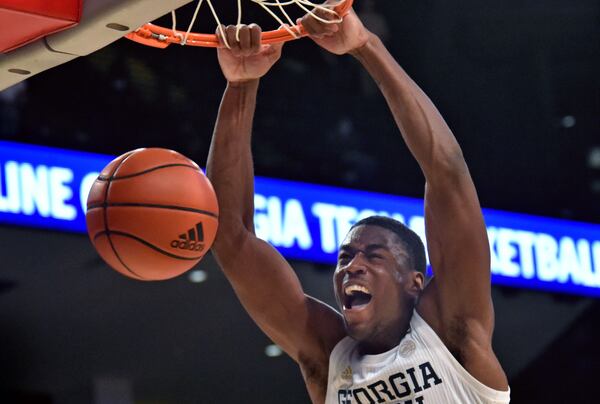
<point x="356" y="297"/>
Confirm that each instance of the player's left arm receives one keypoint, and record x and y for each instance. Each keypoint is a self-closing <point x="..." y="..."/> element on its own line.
<point x="457" y="302"/>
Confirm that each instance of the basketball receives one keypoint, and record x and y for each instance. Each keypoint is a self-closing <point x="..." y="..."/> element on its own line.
<point x="152" y="214"/>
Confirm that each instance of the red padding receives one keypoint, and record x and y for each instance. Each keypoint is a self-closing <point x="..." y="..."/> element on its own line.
<point x="25" y="21"/>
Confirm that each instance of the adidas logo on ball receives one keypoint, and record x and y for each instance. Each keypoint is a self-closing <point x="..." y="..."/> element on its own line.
<point x="193" y="240"/>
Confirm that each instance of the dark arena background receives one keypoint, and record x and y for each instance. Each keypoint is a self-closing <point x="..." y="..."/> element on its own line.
<point x="517" y="81"/>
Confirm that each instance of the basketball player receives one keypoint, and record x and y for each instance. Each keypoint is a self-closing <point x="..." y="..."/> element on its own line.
<point x="397" y="339"/>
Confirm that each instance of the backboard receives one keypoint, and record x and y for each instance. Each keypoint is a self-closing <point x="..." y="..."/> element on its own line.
<point x="102" y="22"/>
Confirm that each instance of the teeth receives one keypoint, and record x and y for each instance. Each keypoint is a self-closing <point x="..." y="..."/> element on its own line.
<point x="356" y="288"/>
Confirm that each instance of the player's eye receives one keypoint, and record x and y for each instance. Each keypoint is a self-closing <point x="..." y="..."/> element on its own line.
<point x="344" y="258"/>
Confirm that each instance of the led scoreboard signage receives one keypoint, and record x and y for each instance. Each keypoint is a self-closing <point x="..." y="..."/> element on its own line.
<point x="47" y="187"/>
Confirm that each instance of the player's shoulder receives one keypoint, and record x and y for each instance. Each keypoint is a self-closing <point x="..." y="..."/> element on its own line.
<point x="472" y="357"/>
<point x="327" y="323"/>
<point x="326" y="329"/>
<point x="342" y="348"/>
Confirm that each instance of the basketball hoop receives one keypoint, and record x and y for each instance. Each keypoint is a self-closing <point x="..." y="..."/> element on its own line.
<point x="161" y="37"/>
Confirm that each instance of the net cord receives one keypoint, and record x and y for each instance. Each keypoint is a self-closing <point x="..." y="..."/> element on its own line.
<point x="266" y="5"/>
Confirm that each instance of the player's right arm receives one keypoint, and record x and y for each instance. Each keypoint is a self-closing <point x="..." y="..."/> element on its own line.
<point x="263" y="281"/>
<point x="457" y="301"/>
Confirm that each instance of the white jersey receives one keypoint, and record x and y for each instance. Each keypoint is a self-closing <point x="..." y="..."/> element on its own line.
<point x="420" y="370"/>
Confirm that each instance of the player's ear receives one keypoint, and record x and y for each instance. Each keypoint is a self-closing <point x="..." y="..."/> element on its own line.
<point x="416" y="283"/>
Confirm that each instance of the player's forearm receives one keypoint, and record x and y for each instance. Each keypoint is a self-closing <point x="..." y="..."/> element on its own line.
<point x="423" y="128"/>
<point x="229" y="165"/>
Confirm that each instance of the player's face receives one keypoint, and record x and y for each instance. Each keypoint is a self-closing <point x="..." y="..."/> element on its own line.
<point x="372" y="283"/>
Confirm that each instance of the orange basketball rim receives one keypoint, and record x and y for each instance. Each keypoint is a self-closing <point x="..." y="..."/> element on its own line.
<point x="161" y="37"/>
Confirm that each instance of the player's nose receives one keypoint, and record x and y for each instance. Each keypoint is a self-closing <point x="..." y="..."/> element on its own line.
<point x="357" y="265"/>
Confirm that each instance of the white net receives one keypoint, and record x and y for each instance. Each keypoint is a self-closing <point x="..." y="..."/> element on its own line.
<point x="275" y="8"/>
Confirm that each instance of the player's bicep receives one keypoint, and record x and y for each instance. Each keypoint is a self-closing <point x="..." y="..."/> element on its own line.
<point x="458" y="249"/>
<point x="271" y="293"/>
